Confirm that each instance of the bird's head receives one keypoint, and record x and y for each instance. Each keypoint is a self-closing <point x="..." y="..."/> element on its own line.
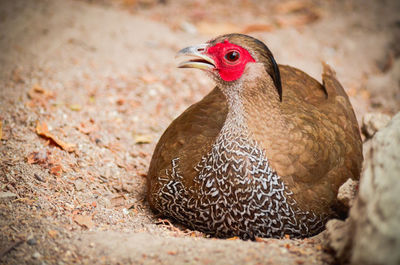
<point x="227" y="56"/>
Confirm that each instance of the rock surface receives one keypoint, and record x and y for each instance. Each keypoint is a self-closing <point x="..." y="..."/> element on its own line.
<point x="373" y="122"/>
<point x="347" y="192"/>
<point x="371" y="235"/>
<point x="337" y="235"/>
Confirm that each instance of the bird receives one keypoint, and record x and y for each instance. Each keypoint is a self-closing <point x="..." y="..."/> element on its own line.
<point x="263" y="154"/>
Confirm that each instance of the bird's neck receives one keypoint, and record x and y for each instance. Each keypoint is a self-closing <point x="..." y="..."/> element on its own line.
<point x="253" y="105"/>
<point x="236" y="121"/>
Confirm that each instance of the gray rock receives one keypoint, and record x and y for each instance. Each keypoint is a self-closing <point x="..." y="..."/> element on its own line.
<point x="373" y="227"/>
<point x="36" y="255"/>
<point x="337" y="234"/>
<point x="79" y="185"/>
<point x="373" y="122"/>
<point x="385" y="87"/>
<point x="31" y="241"/>
<point x="376" y="213"/>
<point x="347" y="192"/>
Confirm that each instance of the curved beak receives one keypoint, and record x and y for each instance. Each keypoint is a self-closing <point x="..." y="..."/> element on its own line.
<point x="200" y="59"/>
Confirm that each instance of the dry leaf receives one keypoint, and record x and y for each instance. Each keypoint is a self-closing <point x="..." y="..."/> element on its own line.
<point x="37" y="92"/>
<point x="56" y="170"/>
<point x="46" y="160"/>
<point x="52" y="233"/>
<point x="118" y="201"/>
<point x="31" y="158"/>
<point x="86" y="128"/>
<point x="1" y="130"/>
<point x="142" y="138"/>
<point x="84" y="221"/>
<point x="42" y="130"/>
<point x="121" y="101"/>
<point x="40" y="157"/>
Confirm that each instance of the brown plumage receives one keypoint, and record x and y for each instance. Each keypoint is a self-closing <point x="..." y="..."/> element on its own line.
<point x="263" y="154"/>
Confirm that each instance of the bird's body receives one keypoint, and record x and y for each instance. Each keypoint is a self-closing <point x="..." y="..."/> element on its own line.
<point x="253" y="159"/>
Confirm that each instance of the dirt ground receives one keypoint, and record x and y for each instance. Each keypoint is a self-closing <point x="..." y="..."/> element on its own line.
<point x="88" y="87"/>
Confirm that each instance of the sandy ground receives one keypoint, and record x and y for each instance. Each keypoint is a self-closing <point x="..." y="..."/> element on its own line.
<point x="87" y="88"/>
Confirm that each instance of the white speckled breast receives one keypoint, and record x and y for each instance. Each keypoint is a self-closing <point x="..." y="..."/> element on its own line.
<point x="236" y="193"/>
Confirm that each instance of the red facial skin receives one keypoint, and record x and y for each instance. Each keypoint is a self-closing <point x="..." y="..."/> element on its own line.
<point x="229" y="70"/>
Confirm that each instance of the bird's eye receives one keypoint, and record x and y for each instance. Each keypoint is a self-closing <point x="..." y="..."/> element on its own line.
<point x="232" y="56"/>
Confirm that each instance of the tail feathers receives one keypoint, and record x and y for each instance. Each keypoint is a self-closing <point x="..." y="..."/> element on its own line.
<point x="331" y="84"/>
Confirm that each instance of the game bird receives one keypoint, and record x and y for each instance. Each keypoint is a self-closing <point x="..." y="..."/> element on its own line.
<point x="263" y="154"/>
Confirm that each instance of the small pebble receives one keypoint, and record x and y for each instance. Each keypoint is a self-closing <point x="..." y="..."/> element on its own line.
<point x="36" y="255"/>
<point x="38" y="177"/>
<point x="31" y="241"/>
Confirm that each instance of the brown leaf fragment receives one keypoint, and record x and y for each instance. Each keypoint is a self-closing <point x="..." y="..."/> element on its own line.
<point x="84" y="221"/>
<point x="38" y="92"/>
<point x="31" y="158"/>
<point x="86" y="128"/>
<point x="1" y="130"/>
<point x="121" y="101"/>
<point x="46" y="160"/>
<point x="52" y="233"/>
<point x="42" y="130"/>
<point x="118" y="201"/>
<point x="56" y="170"/>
